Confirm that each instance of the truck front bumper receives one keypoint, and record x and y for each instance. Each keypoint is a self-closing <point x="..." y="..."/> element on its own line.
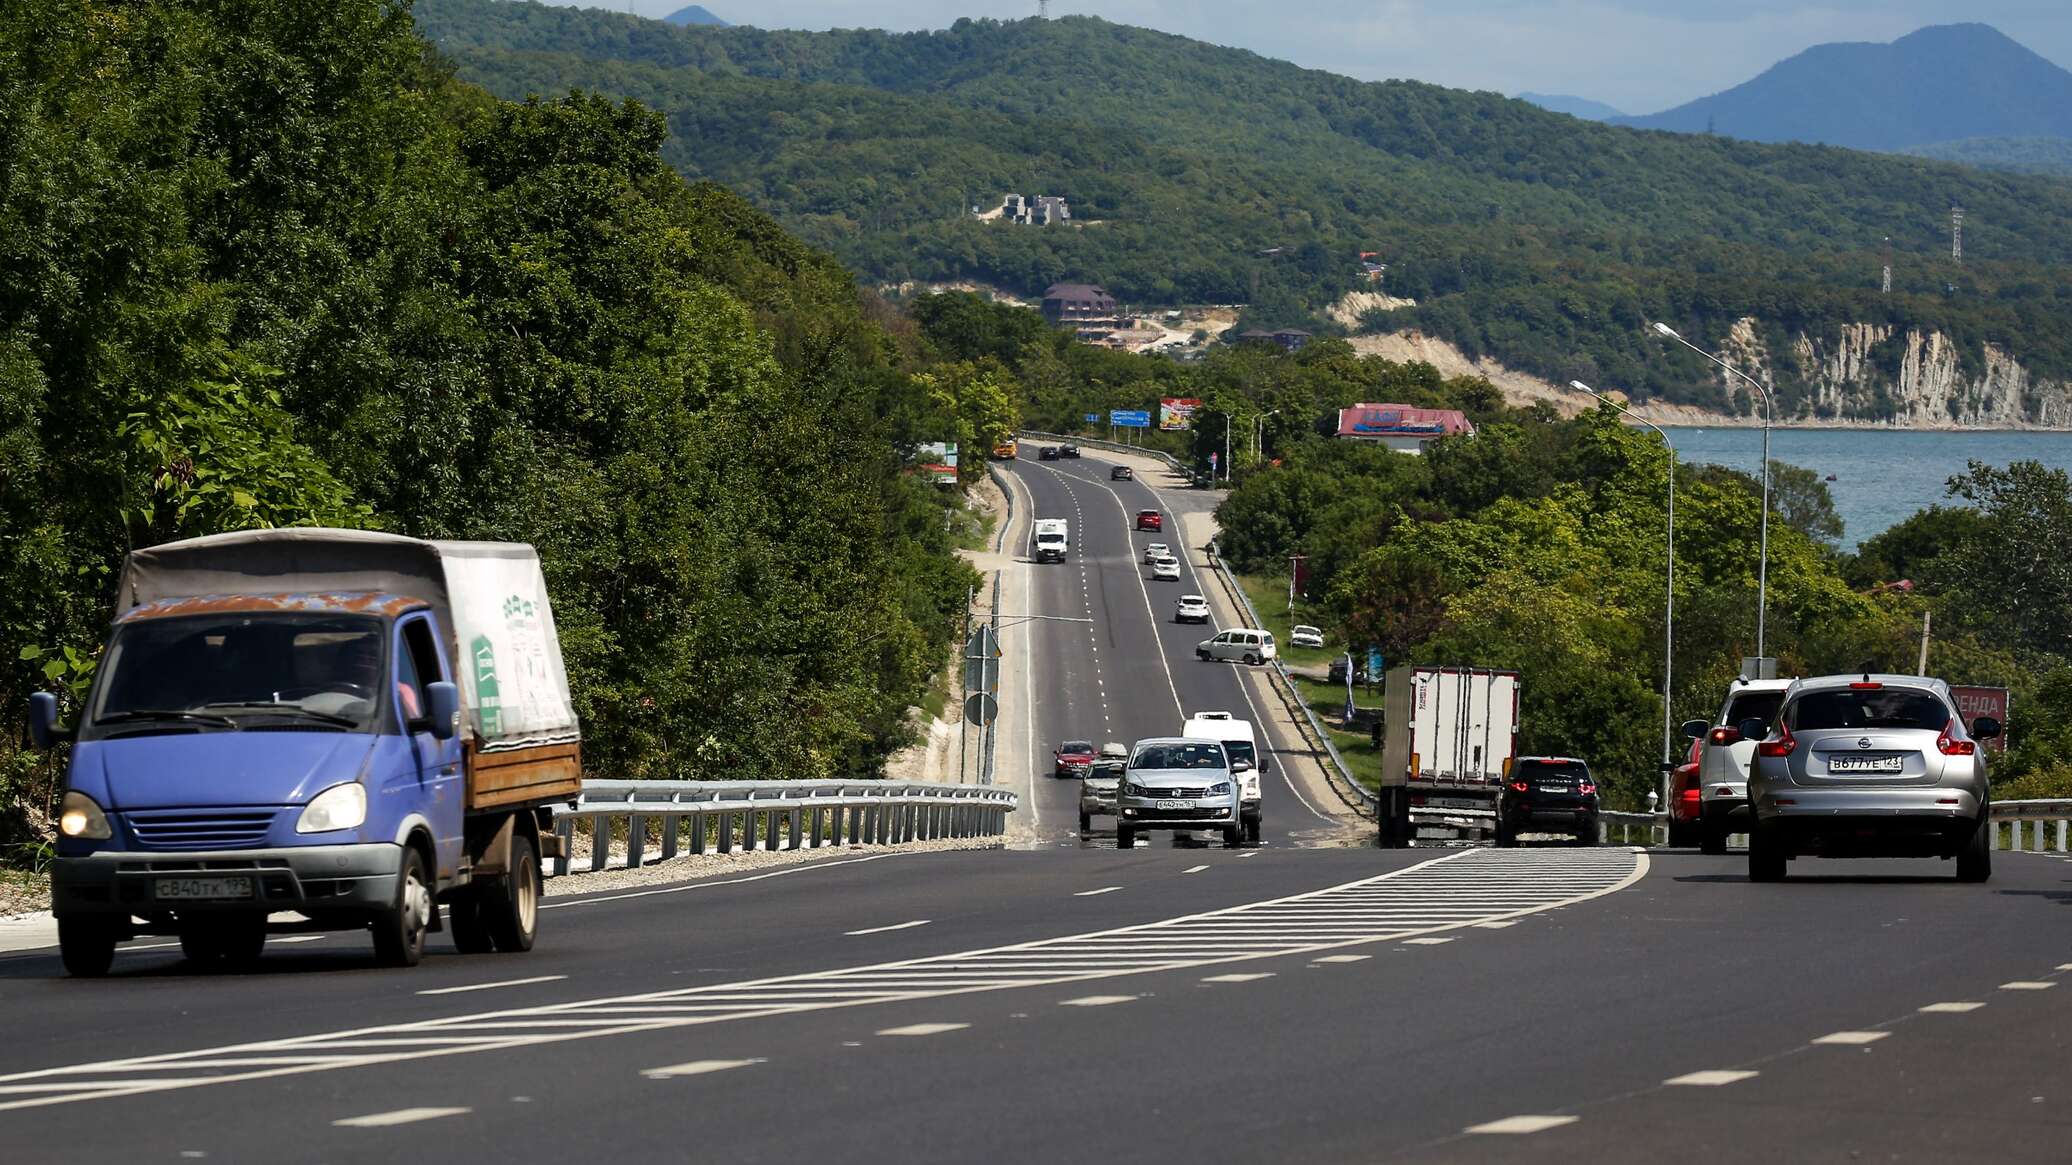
<point x="311" y="879"/>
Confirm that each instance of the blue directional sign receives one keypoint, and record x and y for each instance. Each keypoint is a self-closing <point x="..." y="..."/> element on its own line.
<point x="1093" y="418"/>
<point x="1130" y="418"/>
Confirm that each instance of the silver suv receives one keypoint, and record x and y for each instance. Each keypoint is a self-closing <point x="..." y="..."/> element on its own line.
<point x="1176" y="783"/>
<point x="1869" y="766"/>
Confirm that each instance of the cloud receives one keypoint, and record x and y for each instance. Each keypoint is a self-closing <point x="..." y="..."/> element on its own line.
<point x="1640" y="55"/>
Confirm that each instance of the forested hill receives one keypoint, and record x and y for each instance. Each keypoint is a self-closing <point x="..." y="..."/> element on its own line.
<point x="1204" y="174"/>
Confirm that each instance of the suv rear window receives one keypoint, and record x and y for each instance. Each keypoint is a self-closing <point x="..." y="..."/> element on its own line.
<point x="1753" y="706"/>
<point x="1543" y="769"/>
<point x="1868" y="708"/>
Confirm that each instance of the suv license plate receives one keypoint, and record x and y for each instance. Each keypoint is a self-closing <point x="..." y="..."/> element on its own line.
<point x="1865" y="764"/>
<point x="1176" y="804"/>
<point x="193" y="889"/>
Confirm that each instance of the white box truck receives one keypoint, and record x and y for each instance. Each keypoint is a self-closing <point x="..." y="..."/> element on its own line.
<point x="1238" y="743"/>
<point x="1053" y="539"/>
<point x="1450" y="736"/>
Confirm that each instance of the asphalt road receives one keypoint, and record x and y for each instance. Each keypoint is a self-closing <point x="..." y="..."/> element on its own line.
<point x="1285" y="1002"/>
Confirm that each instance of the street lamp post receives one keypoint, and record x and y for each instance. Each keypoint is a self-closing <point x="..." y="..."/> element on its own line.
<point x="1226" y="446"/>
<point x="1669" y="587"/>
<point x="1259" y="435"/>
<point x="1762" y="585"/>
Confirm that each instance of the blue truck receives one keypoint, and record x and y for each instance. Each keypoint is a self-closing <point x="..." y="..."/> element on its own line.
<point x="311" y="729"/>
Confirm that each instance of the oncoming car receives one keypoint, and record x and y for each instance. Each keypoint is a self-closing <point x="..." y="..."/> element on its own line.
<point x="1072" y="758"/>
<point x="1098" y="787"/>
<point x="1165" y="569"/>
<point x="1304" y="635"/>
<point x="1176" y="783"/>
<point x="1870" y="766"/>
<point x="1191" y="609"/>
<point x="1047" y="453"/>
<point x="1121" y="473"/>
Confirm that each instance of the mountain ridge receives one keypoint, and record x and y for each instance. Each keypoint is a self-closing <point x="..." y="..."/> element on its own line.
<point x="1582" y="107"/>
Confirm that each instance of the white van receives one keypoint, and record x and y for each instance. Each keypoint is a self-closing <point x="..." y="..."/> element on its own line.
<point x="1244" y="644"/>
<point x="1236" y="737"/>
<point x="1053" y="539"/>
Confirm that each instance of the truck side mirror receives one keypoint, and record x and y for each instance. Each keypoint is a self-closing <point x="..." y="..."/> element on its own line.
<point x="443" y="699"/>
<point x="1985" y="728"/>
<point x="43" y="720"/>
<point x="1693" y="729"/>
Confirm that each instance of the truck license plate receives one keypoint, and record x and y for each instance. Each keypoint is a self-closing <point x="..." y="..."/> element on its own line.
<point x="1176" y="804"/>
<point x="1864" y="764"/>
<point x="192" y="889"/>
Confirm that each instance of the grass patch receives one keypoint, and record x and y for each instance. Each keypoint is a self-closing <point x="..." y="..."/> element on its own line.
<point x="1270" y="598"/>
<point x="972" y="529"/>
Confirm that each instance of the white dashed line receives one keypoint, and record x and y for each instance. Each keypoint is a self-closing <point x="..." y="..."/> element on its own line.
<point x="695" y="1068"/>
<point x="1194" y="869"/>
<point x="2027" y="985"/>
<point x="1427" y="942"/>
<point x="1239" y="977"/>
<point x="1711" y="1078"/>
<point x="1097" y="1000"/>
<point x="1102" y="890"/>
<point x="1851" y="1039"/>
<point x="1344" y="959"/>
<point x="1950" y="1008"/>
<point x="1517" y="1125"/>
<point x="1498" y="925"/>
<point x="894" y="926"/>
<point x="924" y="1029"/>
<point x="401" y="1116"/>
<point x="492" y="986"/>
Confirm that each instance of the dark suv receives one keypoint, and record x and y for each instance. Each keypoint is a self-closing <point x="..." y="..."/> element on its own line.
<point x="1547" y="794"/>
<point x="1121" y="473"/>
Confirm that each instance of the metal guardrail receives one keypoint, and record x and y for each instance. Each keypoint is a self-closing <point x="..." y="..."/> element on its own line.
<point x="2012" y="814"/>
<point x="770" y="815"/>
<point x="1114" y="446"/>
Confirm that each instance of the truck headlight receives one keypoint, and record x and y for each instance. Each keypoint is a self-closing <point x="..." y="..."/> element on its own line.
<point x="79" y="817"/>
<point x="342" y="806"/>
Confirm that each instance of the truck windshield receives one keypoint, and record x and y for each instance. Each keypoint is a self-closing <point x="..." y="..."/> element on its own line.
<point x="273" y="670"/>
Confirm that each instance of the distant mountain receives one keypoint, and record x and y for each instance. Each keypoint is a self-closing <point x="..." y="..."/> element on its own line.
<point x="1581" y="107"/>
<point x="1940" y="84"/>
<point x="695" y="14"/>
<point x="2051" y="156"/>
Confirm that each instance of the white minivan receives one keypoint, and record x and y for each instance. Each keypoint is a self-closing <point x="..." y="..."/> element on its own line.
<point x="1244" y="644"/>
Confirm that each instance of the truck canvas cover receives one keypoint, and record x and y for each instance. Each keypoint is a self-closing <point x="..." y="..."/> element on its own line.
<point x="491" y="596"/>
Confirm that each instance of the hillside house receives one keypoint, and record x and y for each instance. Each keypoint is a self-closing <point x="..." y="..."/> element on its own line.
<point x="1083" y="307"/>
<point x="1404" y="428"/>
<point x="1043" y="210"/>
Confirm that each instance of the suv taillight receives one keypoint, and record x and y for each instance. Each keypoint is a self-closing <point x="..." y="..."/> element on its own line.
<point x="1723" y="736"/>
<point x="1520" y="787"/>
<point x="1782" y="744"/>
<point x="1586" y="788"/>
<point x="1949" y="745"/>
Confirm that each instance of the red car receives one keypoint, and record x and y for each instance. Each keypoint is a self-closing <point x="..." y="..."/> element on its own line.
<point x="1074" y="758"/>
<point x="1150" y="520"/>
<point x="1685" y="805"/>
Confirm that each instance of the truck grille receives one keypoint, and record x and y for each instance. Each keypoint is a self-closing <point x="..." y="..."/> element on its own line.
<point x="205" y="829"/>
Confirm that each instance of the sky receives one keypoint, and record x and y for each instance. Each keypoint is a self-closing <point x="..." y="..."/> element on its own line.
<point x="1639" y="55"/>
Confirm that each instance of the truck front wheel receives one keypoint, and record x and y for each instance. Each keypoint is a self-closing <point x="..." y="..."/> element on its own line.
<point x="399" y="930"/>
<point x="87" y="945"/>
<point x="511" y="907"/>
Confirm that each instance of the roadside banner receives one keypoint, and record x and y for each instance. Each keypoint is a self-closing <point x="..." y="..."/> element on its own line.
<point x="1176" y="412"/>
<point x="938" y="453"/>
<point x="1974" y="702"/>
<point x="1130" y="418"/>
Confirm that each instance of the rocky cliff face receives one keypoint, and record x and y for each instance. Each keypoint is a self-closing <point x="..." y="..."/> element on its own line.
<point x="1874" y="374"/>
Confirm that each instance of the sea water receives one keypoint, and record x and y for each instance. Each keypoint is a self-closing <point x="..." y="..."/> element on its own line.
<point x="1881" y="476"/>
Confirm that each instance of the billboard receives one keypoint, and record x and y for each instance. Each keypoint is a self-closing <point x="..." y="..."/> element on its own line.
<point x="1130" y="418"/>
<point x="938" y="453"/>
<point x="1176" y="412"/>
<point x="1974" y="702"/>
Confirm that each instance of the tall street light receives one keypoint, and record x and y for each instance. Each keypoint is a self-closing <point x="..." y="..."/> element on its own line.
<point x="1669" y="587"/>
<point x="1762" y="585"/>
<point x="1259" y="435"/>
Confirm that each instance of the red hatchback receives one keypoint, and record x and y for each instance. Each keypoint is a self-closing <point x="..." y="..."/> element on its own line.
<point x="1150" y="520"/>
<point x="1684" y="790"/>
<point x="1074" y="758"/>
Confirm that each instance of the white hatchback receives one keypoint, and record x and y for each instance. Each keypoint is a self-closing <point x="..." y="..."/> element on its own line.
<point x="1165" y="569"/>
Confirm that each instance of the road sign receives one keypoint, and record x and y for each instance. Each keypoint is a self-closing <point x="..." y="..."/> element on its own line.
<point x="982" y="662"/>
<point x="1093" y="418"/>
<point x="981" y="709"/>
<point x="1130" y="418"/>
<point x="1374" y="661"/>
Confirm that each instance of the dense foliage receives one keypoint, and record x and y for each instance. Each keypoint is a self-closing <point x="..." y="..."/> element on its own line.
<point x="1206" y="175"/>
<point x="264" y="263"/>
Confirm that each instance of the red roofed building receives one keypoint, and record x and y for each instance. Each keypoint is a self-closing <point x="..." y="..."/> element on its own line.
<point x="1401" y="427"/>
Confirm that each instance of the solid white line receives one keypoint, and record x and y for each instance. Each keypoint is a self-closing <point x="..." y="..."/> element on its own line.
<point x="894" y="926"/>
<point x="695" y="1068"/>
<point x="492" y="986"/>
<point x="1518" y="1125"/>
<point x="401" y="1116"/>
<point x="1711" y="1078"/>
<point x="1253" y="977"/>
<point x="924" y="1029"/>
<point x="1950" y="1008"/>
<point x="1091" y="893"/>
<point x="1851" y="1039"/>
<point x="1194" y="869"/>
<point x="1097" y="1000"/>
<point x="689" y="886"/>
<point x="2027" y="985"/>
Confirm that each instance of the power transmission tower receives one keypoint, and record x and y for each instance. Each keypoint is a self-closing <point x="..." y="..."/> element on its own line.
<point x="1043" y="9"/>
<point x="1956" y="234"/>
<point x="1885" y="283"/>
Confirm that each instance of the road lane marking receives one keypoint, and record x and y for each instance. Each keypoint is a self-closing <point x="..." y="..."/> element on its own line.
<point x="1427" y="942"/>
<point x="695" y="1068"/>
<point x="1194" y="869"/>
<point x="401" y="1116"/>
<point x="1711" y="1078"/>
<point x="1950" y="1008"/>
<point x="924" y="1029"/>
<point x="2065" y="966"/>
<point x="1851" y="1039"/>
<point x="1519" y="1125"/>
<point x="1253" y="854"/>
<point x="1252" y="977"/>
<point x="493" y="986"/>
<point x="2027" y="985"/>
<point x="1102" y="890"/>
<point x="1097" y="1000"/>
<point x="1435" y="896"/>
<point x="884" y="929"/>
<point x="1342" y="958"/>
<point x="1497" y="925"/>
